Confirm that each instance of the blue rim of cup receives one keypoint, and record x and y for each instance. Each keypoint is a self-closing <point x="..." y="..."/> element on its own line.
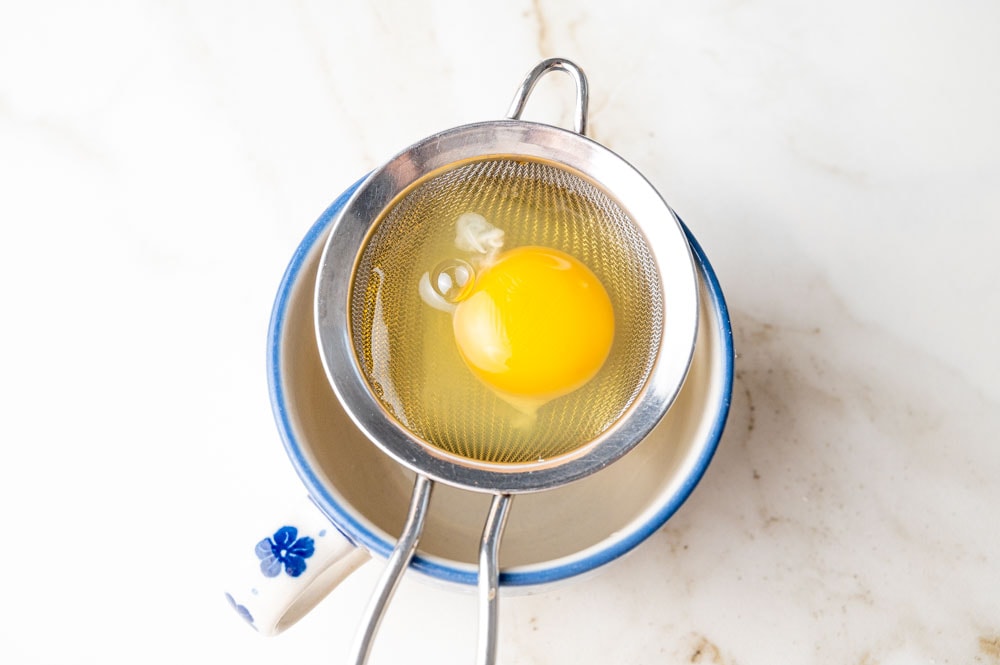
<point x="361" y="535"/>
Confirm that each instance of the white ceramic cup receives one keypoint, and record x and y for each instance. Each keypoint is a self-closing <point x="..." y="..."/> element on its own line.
<point x="358" y="497"/>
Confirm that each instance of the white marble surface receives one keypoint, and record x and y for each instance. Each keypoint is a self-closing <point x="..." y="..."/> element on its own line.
<point x="839" y="162"/>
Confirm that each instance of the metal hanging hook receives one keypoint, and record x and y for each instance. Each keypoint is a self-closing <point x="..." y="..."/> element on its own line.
<point x="543" y="68"/>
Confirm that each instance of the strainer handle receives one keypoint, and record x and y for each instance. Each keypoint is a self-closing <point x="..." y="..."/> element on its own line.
<point x="398" y="561"/>
<point x="489" y="573"/>
<point x="489" y="578"/>
<point x="542" y="68"/>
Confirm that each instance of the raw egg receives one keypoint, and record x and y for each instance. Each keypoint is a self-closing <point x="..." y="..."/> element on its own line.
<point x="537" y="325"/>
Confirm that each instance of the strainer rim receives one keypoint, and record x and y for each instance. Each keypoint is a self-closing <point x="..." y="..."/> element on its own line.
<point x="505" y="139"/>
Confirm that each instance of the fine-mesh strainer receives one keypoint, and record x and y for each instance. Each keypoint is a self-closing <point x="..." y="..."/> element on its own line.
<point x="562" y="191"/>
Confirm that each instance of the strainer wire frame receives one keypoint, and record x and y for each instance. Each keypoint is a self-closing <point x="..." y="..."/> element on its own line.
<point x="511" y="138"/>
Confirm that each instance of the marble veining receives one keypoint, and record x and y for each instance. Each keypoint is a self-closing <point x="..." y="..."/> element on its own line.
<point x="838" y="162"/>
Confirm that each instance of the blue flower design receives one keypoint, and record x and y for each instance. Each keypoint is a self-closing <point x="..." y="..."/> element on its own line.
<point x="285" y="547"/>
<point x="242" y="611"/>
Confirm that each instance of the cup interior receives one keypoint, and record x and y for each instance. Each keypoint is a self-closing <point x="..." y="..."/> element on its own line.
<point x="550" y="535"/>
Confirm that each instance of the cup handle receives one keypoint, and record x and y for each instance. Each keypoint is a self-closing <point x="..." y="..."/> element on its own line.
<point x="291" y="565"/>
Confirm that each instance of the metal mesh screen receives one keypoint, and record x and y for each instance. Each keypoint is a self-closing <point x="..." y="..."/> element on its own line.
<point x="404" y="354"/>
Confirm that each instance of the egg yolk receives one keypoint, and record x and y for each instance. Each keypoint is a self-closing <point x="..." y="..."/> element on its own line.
<point x="538" y="324"/>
